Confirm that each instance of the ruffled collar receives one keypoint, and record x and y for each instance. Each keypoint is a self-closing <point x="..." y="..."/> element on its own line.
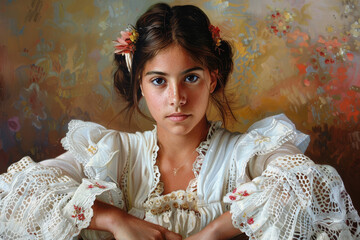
<point x="158" y="187"/>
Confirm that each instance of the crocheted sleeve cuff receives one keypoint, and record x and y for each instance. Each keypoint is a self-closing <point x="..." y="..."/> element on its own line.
<point x="294" y="199"/>
<point x="40" y="202"/>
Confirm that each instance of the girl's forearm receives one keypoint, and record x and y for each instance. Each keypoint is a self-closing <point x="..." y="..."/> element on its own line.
<point x="219" y="229"/>
<point x="223" y="228"/>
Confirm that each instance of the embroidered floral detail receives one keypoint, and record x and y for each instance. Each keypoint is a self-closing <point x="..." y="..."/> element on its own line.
<point x="176" y="200"/>
<point x="232" y="197"/>
<point x="250" y="221"/>
<point x="262" y="139"/>
<point x="244" y="193"/>
<point x="78" y="213"/>
<point x="96" y="185"/>
<point x="92" y="149"/>
<point x="238" y="194"/>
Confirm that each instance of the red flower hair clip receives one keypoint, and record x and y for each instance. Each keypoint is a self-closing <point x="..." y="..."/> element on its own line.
<point x="215" y="33"/>
<point x="125" y="45"/>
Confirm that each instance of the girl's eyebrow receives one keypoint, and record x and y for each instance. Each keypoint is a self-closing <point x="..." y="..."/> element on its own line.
<point x="182" y="73"/>
<point x="192" y="69"/>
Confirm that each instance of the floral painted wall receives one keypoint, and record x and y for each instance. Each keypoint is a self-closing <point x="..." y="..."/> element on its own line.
<point x="300" y="57"/>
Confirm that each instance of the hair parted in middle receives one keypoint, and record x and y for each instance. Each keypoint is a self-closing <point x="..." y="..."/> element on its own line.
<point x="189" y="27"/>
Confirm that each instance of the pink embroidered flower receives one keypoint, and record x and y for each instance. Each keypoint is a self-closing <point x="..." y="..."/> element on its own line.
<point x="250" y="221"/>
<point x="234" y="191"/>
<point x="97" y="185"/>
<point x="126" y="43"/>
<point x="232" y="197"/>
<point x="81" y="217"/>
<point x="244" y="193"/>
<point x="78" y="213"/>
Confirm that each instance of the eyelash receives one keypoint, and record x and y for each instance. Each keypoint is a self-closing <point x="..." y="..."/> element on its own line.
<point x="156" y="79"/>
<point x="192" y="76"/>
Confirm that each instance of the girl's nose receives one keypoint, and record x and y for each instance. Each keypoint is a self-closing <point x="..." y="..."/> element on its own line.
<point x="177" y="96"/>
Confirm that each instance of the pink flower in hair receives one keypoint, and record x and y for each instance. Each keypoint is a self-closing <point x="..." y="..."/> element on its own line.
<point x="215" y="32"/>
<point x="126" y="43"/>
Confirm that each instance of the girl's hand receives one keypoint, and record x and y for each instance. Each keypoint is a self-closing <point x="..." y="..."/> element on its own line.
<point x="131" y="227"/>
<point x="125" y="226"/>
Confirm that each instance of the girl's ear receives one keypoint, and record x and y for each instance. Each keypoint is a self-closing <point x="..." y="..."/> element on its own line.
<point x="213" y="80"/>
<point x="141" y="89"/>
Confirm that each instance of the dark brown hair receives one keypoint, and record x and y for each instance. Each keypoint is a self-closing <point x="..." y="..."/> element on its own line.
<point x="188" y="26"/>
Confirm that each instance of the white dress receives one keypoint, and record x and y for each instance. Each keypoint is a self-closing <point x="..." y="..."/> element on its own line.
<point x="272" y="190"/>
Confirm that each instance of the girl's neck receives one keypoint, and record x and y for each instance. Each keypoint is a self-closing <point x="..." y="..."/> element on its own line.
<point x="178" y="145"/>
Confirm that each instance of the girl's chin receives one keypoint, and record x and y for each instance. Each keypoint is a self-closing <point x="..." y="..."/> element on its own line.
<point x="179" y="128"/>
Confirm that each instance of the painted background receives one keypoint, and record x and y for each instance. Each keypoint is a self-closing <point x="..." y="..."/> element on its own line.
<point x="300" y="57"/>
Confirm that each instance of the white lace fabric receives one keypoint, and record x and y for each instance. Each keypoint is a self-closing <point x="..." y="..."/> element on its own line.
<point x="178" y="206"/>
<point x="295" y="199"/>
<point x="39" y="202"/>
<point x="292" y="199"/>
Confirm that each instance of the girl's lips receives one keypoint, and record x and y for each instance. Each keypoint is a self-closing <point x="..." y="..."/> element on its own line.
<point x="178" y="117"/>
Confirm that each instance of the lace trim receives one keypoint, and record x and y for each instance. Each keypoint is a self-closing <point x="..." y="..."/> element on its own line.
<point x="124" y="184"/>
<point x="81" y="204"/>
<point x="153" y="161"/>
<point x="158" y="187"/>
<point x="294" y="199"/>
<point x="231" y="181"/>
<point x="179" y="199"/>
<point x="32" y="206"/>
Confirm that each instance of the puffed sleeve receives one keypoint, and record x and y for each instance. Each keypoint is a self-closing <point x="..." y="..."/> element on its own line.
<point x="293" y="198"/>
<point x="53" y="199"/>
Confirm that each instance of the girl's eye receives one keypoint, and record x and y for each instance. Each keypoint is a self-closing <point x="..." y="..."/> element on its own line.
<point x="191" y="78"/>
<point x="158" y="81"/>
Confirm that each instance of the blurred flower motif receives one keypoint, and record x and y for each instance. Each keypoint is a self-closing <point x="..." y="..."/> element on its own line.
<point x="355" y="29"/>
<point x="357" y="44"/>
<point x="13" y="124"/>
<point x="25" y="52"/>
<point x="330" y="51"/>
<point x="279" y="22"/>
<point x="324" y="63"/>
<point x="37" y="73"/>
<point x="107" y="48"/>
<point x="32" y="104"/>
<point x="67" y="79"/>
<point x="103" y="25"/>
<point x="349" y="8"/>
<point x="56" y="66"/>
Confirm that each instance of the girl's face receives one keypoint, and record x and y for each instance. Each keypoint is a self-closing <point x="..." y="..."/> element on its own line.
<point x="177" y="90"/>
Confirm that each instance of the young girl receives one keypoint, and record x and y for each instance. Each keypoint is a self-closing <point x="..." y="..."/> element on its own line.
<point x="188" y="177"/>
